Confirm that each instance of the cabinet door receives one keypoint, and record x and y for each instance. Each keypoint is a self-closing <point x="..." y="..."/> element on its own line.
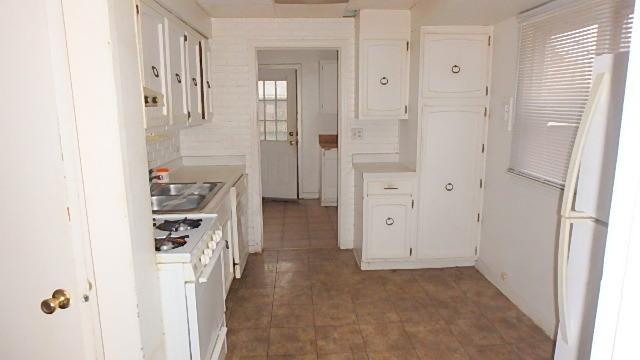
<point x="383" y="85"/>
<point x="177" y="73"/>
<point x="151" y="27"/>
<point x="328" y="87"/>
<point x="207" y="82"/>
<point x="388" y="221"/>
<point x="194" y="72"/>
<point x="455" y="65"/>
<point x="450" y="173"/>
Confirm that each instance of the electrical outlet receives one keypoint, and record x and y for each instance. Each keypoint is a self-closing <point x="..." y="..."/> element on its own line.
<point x="357" y="133"/>
<point x="504" y="276"/>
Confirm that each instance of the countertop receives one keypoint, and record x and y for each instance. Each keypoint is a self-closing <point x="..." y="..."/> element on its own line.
<point x="228" y="174"/>
<point x="382" y="167"/>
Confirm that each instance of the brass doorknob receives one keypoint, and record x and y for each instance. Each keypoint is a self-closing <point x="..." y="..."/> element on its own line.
<point x="59" y="299"/>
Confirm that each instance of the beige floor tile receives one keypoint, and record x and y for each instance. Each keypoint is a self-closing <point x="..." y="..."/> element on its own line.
<point x="434" y="341"/>
<point x="293" y="265"/>
<point x="294" y="357"/>
<point x="415" y="311"/>
<point x="331" y="293"/>
<point x="248" y="342"/>
<point x="293" y="279"/>
<point x="442" y="290"/>
<point x="368" y="292"/>
<point x="250" y="296"/>
<point x="492" y="352"/>
<point x="541" y="350"/>
<point x="475" y="331"/>
<point x="334" y="314"/>
<point x="293" y="295"/>
<point x="292" y="341"/>
<point x="454" y="310"/>
<point x="343" y="356"/>
<point x="376" y="312"/>
<point x="339" y="339"/>
<point x="259" y="281"/>
<point x="293" y="254"/>
<point x="514" y="327"/>
<point x="385" y="338"/>
<point x="401" y="355"/>
<point x="288" y="315"/>
<point x="249" y="316"/>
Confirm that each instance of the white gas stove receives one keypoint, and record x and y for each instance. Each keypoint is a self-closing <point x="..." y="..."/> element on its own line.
<point x="189" y="251"/>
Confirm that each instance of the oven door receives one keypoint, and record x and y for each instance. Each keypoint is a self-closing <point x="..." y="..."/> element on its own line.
<point x="205" y="308"/>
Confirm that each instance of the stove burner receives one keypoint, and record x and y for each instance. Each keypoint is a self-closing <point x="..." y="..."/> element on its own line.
<point x="170" y="242"/>
<point x="179" y="225"/>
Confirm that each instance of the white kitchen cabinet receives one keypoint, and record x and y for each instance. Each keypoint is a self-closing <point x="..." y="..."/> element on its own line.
<point x="328" y="87"/>
<point x="385" y="216"/>
<point x="455" y="65"/>
<point x="383" y="64"/>
<point x="194" y="72"/>
<point x="151" y="27"/>
<point x="207" y="81"/>
<point x="176" y="36"/>
<point x="329" y="177"/>
<point x="450" y="183"/>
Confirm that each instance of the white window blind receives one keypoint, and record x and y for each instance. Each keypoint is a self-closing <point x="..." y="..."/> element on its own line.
<point x="558" y="43"/>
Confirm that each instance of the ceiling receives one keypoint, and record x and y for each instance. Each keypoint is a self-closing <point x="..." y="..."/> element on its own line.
<point x="433" y="12"/>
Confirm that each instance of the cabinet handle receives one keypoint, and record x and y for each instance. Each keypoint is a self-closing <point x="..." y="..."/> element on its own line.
<point x="448" y="187"/>
<point x="195" y="82"/>
<point x="178" y="78"/>
<point x="391" y="188"/>
<point x="384" y="80"/>
<point x="455" y="69"/>
<point x="389" y="221"/>
<point x="155" y="71"/>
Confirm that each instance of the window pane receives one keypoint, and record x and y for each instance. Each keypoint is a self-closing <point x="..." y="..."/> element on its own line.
<point x="282" y="110"/>
<point x="270" y="110"/>
<point x="260" y="110"/>
<point x="270" y="90"/>
<point x="281" y="90"/>
<point x="282" y="131"/>
<point x="260" y="89"/>
<point x="271" y="130"/>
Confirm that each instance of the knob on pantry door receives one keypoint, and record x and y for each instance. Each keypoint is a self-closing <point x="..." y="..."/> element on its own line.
<point x="60" y="299"/>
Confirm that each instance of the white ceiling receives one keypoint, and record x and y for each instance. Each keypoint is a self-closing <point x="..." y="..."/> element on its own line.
<point x="436" y="12"/>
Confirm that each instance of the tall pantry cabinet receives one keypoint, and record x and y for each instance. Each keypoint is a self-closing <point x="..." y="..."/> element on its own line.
<point x="450" y="124"/>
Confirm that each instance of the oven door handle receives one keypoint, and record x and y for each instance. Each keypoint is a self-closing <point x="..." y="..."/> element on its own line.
<point x="206" y="272"/>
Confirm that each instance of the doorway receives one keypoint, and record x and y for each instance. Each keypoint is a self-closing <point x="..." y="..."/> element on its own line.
<point x="297" y="119"/>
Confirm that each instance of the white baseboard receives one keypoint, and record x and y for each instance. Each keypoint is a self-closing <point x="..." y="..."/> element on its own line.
<point x="310" y="195"/>
<point x="415" y="264"/>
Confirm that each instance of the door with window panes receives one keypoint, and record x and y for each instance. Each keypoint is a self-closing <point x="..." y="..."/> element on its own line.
<point x="277" y="121"/>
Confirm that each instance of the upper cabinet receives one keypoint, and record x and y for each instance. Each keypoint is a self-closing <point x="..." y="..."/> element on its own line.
<point x="383" y="64"/>
<point x="175" y="62"/>
<point x="455" y="65"/>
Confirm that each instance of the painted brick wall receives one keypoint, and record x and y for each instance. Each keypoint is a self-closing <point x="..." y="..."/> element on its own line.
<point x="163" y="147"/>
<point x="230" y="131"/>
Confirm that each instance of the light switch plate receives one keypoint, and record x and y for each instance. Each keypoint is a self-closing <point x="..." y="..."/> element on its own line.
<point x="357" y="133"/>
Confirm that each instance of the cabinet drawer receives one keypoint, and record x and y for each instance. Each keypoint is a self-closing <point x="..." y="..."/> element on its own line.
<point x="390" y="187"/>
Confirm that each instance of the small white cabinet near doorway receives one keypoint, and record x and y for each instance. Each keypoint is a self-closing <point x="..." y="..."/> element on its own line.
<point x="385" y="222"/>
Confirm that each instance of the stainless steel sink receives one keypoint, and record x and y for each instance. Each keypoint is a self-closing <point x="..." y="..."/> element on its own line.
<point x="182" y="197"/>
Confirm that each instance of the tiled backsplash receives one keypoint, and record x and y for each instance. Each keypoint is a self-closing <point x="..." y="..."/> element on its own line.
<point x="163" y="147"/>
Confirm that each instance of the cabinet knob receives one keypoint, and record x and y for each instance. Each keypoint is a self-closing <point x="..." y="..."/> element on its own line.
<point x="384" y="80"/>
<point x="455" y="69"/>
<point x="448" y="187"/>
<point x="155" y="71"/>
<point x="389" y="221"/>
<point x="60" y="299"/>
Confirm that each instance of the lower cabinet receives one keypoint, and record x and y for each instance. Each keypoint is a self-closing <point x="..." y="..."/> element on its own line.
<point x="388" y="220"/>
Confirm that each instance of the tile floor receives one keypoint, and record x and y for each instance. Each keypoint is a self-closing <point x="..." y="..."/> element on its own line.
<point x="299" y="224"/>
<point x="314" y="303"/>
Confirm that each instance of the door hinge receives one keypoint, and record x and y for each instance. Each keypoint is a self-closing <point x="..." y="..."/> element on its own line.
<point x="486" y="90"/>
<point x="476" y="251"/>
<point x="137" y="9"/>
<point x="407" y="46"/>
<point x="413" y="202"/>
<point x="482" y="149"/>
<point x="485" y="111"/>
<point x="189" y="114"/>
<point x="410" y="251"/>
<point x="480" y="183"/>
<point x="406" y="109"/>
<point x="186" y="38"/>
<point x="489" y="41"/>
<point x="478" y="218"/>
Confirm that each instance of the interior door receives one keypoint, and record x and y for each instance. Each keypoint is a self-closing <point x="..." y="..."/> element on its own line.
<point x="450" y="173"/>
<point x="277" y="120"/>
<point x="40" y="252"/>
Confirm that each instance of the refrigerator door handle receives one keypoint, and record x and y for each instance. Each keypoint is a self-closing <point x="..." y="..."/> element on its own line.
<point x="571" y="182"/>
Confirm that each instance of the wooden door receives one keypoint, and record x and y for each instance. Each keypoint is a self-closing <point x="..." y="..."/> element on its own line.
<point x="455" y="65"/>
<point x="450" y="175"/>
<point x="42" y="245"/>
<point x="151" y="28"/>
<point x="384" y="82"/>
<point x="277" y="120"/>
<point x="388" y="227"/>
<point x="177" y="72"/>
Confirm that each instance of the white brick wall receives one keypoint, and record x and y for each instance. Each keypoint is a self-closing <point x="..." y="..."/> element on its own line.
<point x="163" y="147"/>
<point x="230" y="132"/>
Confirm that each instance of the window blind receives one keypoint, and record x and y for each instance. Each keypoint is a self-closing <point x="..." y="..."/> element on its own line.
<point x="558" y="43"/>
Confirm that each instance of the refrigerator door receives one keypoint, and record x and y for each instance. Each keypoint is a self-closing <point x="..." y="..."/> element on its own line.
<point x="597" y="165"/>
<point x="588" y="239"/>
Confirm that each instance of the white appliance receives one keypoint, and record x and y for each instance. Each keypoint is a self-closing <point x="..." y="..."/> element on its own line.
<point x="189" y="254"/>
<point x="585" y="208"/>
<point x="240" y="231"/>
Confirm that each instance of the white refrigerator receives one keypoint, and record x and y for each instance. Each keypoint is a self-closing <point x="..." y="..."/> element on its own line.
<point x="585" y="209"/>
